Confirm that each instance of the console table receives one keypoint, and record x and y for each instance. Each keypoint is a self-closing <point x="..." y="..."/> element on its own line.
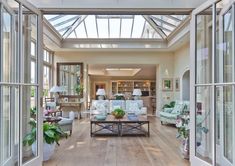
<point x="70" y="106"/>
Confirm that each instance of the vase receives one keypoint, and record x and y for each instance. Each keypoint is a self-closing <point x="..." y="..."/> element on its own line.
<point x="48" y="150"/>
<point x="185" y="148"/>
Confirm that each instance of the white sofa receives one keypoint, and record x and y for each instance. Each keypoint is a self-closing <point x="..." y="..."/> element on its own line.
<point x="107" y="106"/>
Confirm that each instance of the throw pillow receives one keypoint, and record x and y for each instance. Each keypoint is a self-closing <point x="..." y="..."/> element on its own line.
<point x="177" y="109"/>
<point x="133" y="107"/>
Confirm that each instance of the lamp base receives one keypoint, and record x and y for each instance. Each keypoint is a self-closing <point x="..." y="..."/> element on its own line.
<point x="136" y="97"/>
<point x="100" y="97"/>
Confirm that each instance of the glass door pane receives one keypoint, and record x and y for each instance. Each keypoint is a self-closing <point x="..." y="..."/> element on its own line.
<point x="5" y="124"/>
<point x="204" y="134"/>
<point x="30" y="91"/>
<point x="6" y="55"/>
<point x="204" y="47"/>
<point x="228" y="56"/>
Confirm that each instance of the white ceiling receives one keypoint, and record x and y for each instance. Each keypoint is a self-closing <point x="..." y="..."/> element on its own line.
<point x="146" y="72"/>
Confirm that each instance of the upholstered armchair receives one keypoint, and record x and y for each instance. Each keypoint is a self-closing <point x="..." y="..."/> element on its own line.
<point x="99" y="107"/>
<point x="66" y="122"/>
<point x="135" y="106"/>
<point x="170" y="115"/>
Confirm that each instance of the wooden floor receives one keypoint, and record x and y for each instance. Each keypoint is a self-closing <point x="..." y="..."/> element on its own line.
<point x="160" y="149"/>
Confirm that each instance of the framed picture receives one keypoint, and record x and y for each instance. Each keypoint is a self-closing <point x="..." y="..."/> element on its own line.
<point x="167" y="84"/>
<point x="177" y="84"/>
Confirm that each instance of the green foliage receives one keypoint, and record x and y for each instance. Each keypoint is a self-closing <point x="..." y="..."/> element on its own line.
<point x="79" y="89"/>
<point x="51" y="133"/>
<point x="33" y="111"/>
<point x="183" y="132"/>
<point x="118" y="113"/>
<point x="119" y="97"/>
<point x="33" y="92"/>
<point x="45" y="92"/>
<point x="171" y="105"/>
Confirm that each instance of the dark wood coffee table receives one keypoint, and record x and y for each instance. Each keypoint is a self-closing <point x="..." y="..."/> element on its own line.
<point x="120" y="127"/>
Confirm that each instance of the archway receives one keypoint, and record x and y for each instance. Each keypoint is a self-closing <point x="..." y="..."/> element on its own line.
<point x="186" y="85"/>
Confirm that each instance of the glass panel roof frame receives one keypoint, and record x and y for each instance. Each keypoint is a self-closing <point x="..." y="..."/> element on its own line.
<point x="161" y="26"/>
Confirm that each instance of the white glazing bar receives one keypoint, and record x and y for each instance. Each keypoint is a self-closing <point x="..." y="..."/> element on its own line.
<point x="1" y="43"/>
<point x="1" y="105"/>
<point x="192" y="87"/>
<point x="21" y="80"/>
<point x="40" y="84"/>
<point x="213" y="114"/>
<point x="233" y="53"/>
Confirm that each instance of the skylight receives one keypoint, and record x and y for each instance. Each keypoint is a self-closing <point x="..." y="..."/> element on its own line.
<point x="115" y="26"/>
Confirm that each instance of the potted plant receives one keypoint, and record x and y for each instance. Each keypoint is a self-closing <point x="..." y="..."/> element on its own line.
<point x="79" y="90"/>
<point x="51" y="136"/>
<point x="118" y="113"/>
<point x="183" y="133"/>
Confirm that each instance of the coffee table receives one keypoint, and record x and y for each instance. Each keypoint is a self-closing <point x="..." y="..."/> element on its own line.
<point x="120" y="127"/>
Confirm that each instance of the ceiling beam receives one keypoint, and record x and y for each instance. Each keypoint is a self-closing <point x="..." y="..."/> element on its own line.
<point x="74" y="26"/>
<point x="85" y="28"/>
<point x="173" y="18"/>
<point x="55" y="18"/>
<point x="162" y="21"/>
<point x="96" y="22"/>
<point x="155" y="27"/>
<point x="66" y="21"/>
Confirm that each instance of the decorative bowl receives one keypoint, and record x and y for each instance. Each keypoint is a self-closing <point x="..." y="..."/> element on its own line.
<point x="118" y="113"/>
<point x="100" y="117"/>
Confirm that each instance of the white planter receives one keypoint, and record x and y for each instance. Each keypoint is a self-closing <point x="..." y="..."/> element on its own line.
<point x="48" y="150"/>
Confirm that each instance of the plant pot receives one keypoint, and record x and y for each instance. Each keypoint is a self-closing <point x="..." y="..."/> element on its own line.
<point x="48" y="150"/>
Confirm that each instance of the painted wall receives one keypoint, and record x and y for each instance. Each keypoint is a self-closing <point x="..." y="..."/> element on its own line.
<point x="164" y="62"/>
<point x="181" y="65"/>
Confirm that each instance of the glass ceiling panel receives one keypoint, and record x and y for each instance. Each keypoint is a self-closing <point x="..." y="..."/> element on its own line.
<point x="102" y="28"/>
<point x="115" y="26"/>
<point x="168" y="23"/>
<point x="139" y="22"/>
<point x="126" y="28"/>
<point x="90" y="23"/>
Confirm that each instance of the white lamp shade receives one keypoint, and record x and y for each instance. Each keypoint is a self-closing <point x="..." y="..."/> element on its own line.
<point x="56" y="89"/>
<point x="137" y="92"/>
<point x="100" y="92"/>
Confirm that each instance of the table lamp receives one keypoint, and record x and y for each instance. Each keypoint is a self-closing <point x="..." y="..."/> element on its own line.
<point x="137" y="93"/>
<point x="56" y="90"/>
<point x="100" y="93"/>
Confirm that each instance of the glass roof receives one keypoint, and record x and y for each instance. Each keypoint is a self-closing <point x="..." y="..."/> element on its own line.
<point x="115" y="26"/>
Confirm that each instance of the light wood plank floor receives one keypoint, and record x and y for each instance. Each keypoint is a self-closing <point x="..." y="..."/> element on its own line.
<point x="160" y="149"/>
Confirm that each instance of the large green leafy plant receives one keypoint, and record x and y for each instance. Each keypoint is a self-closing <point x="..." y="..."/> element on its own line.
<point x="51" y="133"/>
<point x="171" y="105"/>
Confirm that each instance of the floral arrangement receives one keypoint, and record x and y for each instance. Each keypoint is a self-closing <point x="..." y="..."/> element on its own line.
<point x="182" y="124"/>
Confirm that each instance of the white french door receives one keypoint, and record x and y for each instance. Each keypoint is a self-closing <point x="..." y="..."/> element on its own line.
<point x="212" y="60"/>
<point x="20" y="82"/>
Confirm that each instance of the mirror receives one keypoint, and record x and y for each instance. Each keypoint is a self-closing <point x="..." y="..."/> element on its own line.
<point x="69" y="75"/>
